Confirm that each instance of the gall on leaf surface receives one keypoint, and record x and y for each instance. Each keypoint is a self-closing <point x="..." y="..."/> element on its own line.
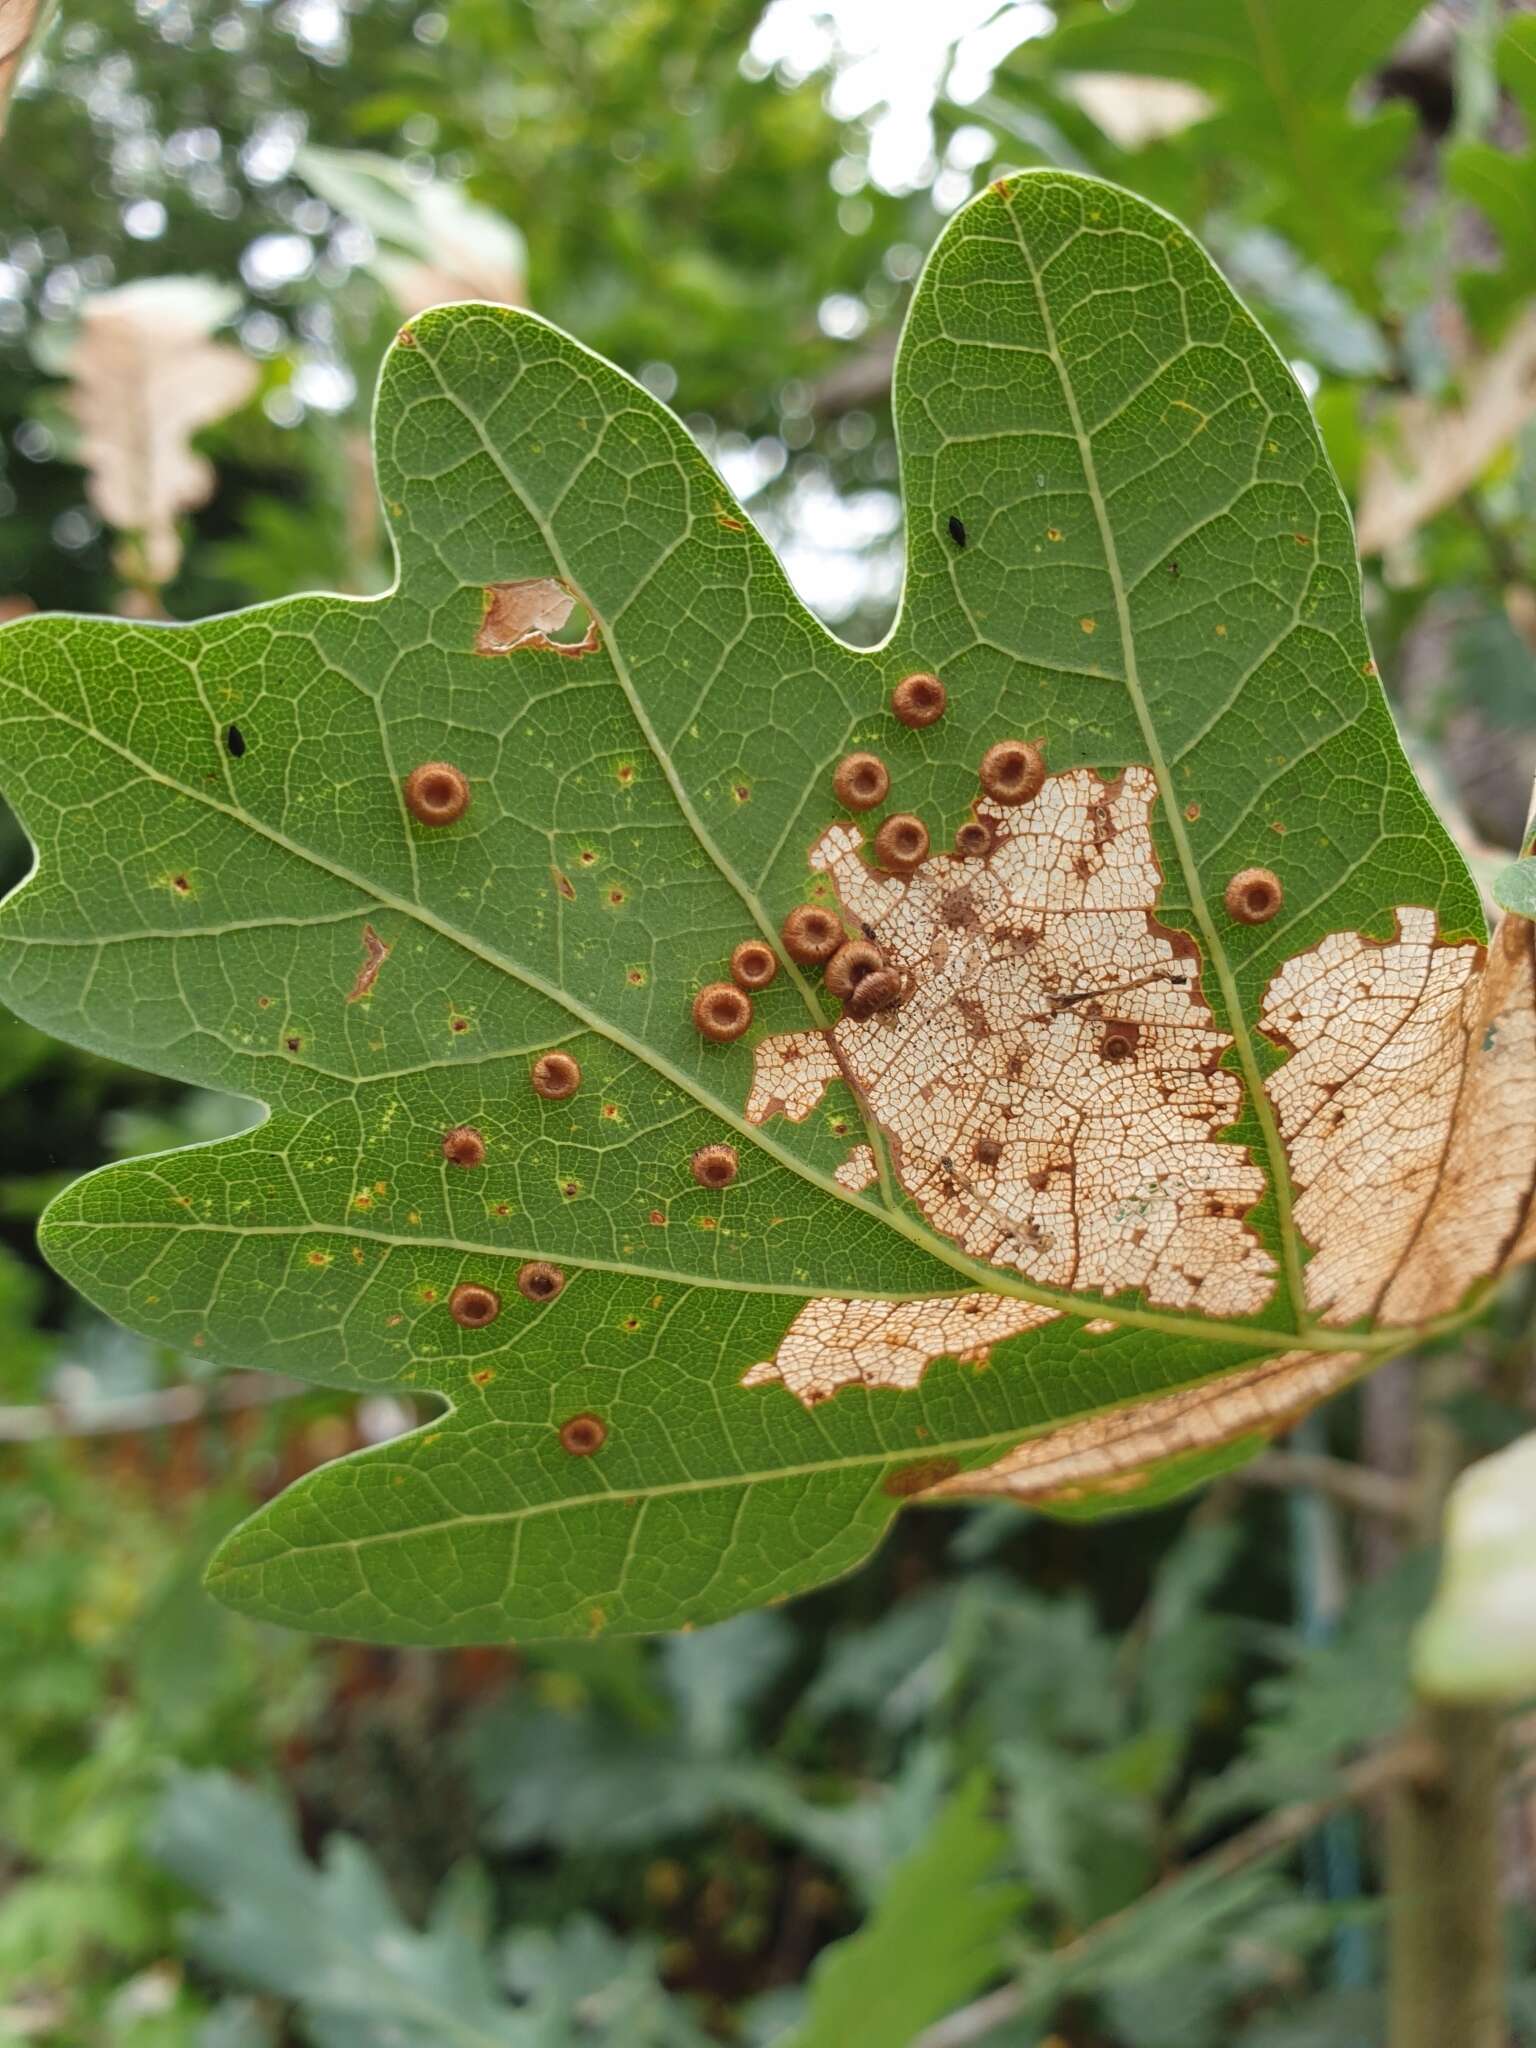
<point x="1099" y="1186"/>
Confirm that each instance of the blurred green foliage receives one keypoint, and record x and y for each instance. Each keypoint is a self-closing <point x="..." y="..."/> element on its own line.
<point x="215" y="1837"/>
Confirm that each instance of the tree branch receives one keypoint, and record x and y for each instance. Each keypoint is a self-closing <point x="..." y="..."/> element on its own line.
<point x="1353" y="1486"/>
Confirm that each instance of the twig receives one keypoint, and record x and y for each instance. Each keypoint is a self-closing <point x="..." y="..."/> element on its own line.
<point x="131" y="1412"/>
<point x="1354" y="1486"/>
<point x="1445" y="1967"/>
<point x="1407" y="1759"/>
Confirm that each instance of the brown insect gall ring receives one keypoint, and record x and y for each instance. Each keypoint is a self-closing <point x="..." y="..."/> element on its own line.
<point x="974" y="839"/>
<point x="1253" y="896"/>
<point x="539" y="1280"/>
<point x="472" y="1306"/>
<point x="555" y="1076"/>
<point x="714" y="1166"/>
<point x="878" y="991"/>
<point x="753" y="965"/>
<point x="861" y="781"/>
<point x="850" y="964"/>
<point x="436" y="793"/>
<point x="1012" y="771"/>
<point x="464" y="1146"/>
<point x="919" y="700"/>
<point x="721" y="1011"/>
<point x="811" y="934"/>
<point x="1119" y="1041"/>
<point x="901" y="843"/>
<point x="583" y="1435"/>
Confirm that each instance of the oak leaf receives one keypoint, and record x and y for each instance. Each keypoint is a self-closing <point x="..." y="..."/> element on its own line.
<point x="1130" y="1073"/>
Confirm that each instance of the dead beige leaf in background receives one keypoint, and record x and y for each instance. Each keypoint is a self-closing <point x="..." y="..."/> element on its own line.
<point x="21" y="22"/>
<point x="145" y="377"/>
<point x="1438" y="452"/>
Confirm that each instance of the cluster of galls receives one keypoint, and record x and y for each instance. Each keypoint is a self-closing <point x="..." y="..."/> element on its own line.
<point x="857" y="972"/>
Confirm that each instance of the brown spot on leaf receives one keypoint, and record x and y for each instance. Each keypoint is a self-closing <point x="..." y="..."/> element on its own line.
<point x="1253" y="896"/>
<point x="473" y="1306"/>
<point x="907" y="1480"/>
<point x="811" y="934"/>
<point x="753" y="965"/>
<point x="464" y="1146"/>
<point x="919" y="700"/>
<point x="849" y="965"/>
<point x="437" y="793"/>
<point x="1012" y="771"/>
<point x="555" y="1076"/>
<point x="375" y="953"/>
<point x="583" y="1435"/>
<point x="901" y="844"/>
<point x="714" y="1166"/>
<point x="539" y="1281"/>
<point x="722" y="1012"/>
<point x="861" y="781"/>
<point x="881" y="990"/>
<point x="528" y="614"/>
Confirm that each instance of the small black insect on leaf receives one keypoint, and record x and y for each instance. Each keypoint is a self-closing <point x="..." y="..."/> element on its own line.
<point x="234" y="739"/>
<point x="957" y="530"/>
<point x="1173" y="568"/>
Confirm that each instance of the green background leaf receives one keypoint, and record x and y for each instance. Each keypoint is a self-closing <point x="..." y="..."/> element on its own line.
<point x="934" y="1937"/>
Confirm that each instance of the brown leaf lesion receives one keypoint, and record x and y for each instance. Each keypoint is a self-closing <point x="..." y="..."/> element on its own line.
<point x="1116" y="1451"/>
<point x="836" y="1343"/>
<point x="528" y="614"/>
<point x="1408" y="1110"/>
<point x="375" y="953"/>
<point x="1050" y="1085"/>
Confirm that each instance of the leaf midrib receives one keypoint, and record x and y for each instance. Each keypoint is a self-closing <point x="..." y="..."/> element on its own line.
<point x="642" y="1496"/>
<point x="1279" y="1163"/>
<point x="755" y="908"/>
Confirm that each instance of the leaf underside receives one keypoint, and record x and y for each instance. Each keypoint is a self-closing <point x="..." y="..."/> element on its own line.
<point x="1119" y="1183"/>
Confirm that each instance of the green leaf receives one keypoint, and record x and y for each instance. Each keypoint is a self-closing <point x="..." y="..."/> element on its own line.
<point x="1339" y="1697"/>
<point x="1501" y="183"/>
<point x="1112" y="1241"/>
<point x="1514" y="888"/>
<point x="332" y="1940"/>
<point x="329" y="1938"/>
<point x="1282" y="73"/>
<point x="1478" y="1640"/>
<point x="934" y="1937"/>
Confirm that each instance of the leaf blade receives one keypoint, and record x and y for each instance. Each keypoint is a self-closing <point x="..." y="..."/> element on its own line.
<point x="1122" y="539"/>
